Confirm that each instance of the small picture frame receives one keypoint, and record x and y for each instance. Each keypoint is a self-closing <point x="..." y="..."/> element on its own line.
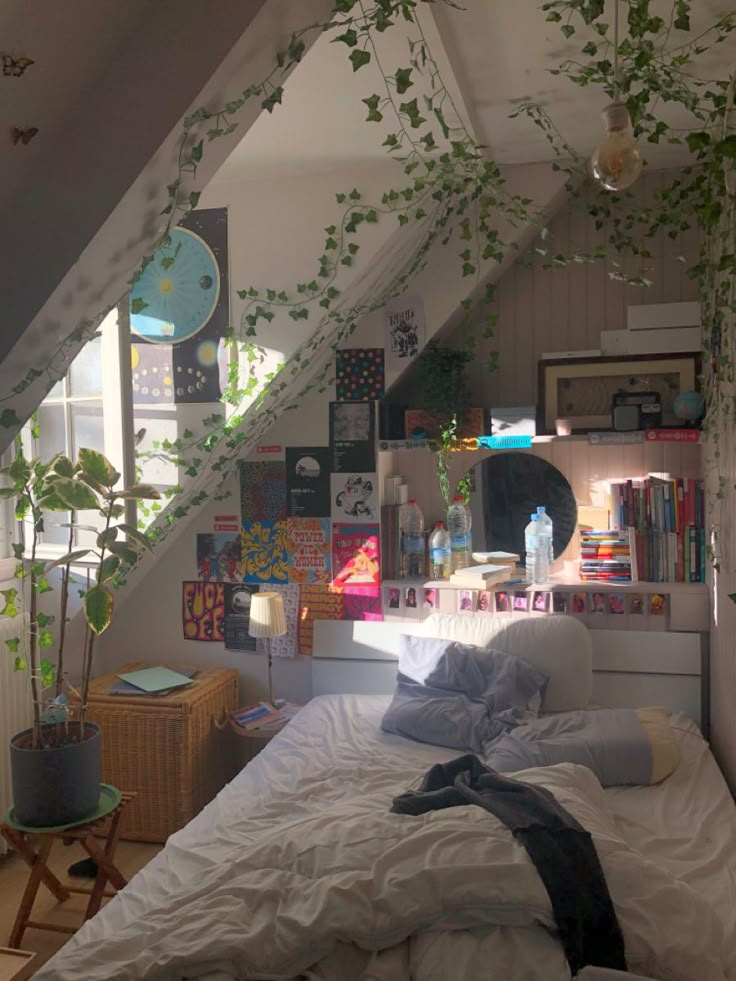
<point x="616" y="604"/>
<point x="597" y="602"/>
<point x="559" y="602"/>
<point x="503" y="603"/>
<point x="657" y="604"/>
<point x="392" y="600"/>
<point x="411" y="598"/>
<point x="466" y="600"/>
<point x="485" y="601"/>
<point x="520" y="602"/>
<point x="431" y="599"/>
<point x="636" y="604"/>
<point x="540" y="603"/>
<point x="579" y="604"/>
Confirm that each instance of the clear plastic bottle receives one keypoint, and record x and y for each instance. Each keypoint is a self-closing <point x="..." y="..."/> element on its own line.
<point x="546" y="523"/>
<point x="537" y="552"/>
<point x="412" y="542"/>
<point x="439" y="552"/>
<point x="459" y="522"/>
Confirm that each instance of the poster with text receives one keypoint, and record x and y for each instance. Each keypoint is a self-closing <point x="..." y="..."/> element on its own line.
<point x="356" y="558"/>
<point x="404" y="322"/>
<point x="218" y="556"/>
<point x="354" y="497"/>
<point x="310" y="558"/>
<point x="316" y="602"/>
<point x="352" y="437"/>
<point x="264" y="550"/>
<point x="308" y="481"/>
<point x="203" y="610"/>
<point x="359" y="374"/>
<point x="262" y="490"/>
<point x="285" y="646"/>
<point x="238" y="598"/>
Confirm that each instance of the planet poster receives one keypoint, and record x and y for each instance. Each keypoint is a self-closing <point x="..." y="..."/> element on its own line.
<point x="179" y="311"/>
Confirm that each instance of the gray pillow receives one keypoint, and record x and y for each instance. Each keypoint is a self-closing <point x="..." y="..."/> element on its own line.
<point x="458" y="695"/>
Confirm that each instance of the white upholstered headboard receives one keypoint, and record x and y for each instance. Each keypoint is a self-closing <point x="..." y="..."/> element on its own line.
<point x="629" y="668"/>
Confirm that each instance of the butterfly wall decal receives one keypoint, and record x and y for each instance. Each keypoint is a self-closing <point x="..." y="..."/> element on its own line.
<point x="14" y="67"/>
<point x="24" y="135"/>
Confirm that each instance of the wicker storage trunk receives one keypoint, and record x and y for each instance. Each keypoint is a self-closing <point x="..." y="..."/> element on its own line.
<point x="170" y="749"/>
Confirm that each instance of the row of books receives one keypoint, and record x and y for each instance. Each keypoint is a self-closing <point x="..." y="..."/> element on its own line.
<point x="666" y="516"/>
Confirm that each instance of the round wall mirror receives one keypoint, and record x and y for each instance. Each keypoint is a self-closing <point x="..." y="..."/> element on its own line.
<point x="507" y="488"/>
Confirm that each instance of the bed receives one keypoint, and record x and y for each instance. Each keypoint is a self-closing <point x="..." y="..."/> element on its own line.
<point x="266" y="879"/>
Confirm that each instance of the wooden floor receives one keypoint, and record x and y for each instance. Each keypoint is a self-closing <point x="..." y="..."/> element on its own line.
<point x="130" y="857"/>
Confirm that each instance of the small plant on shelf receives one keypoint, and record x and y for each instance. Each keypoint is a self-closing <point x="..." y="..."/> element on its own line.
<point x="445" y="397"/>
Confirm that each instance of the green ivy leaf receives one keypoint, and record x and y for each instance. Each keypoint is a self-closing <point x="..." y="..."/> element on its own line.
<point x="43" y="620"/>
<point x="403" y="80"/>
<point x="197" y="151"/>
<point x="13" y="644"/>
<point x="568" y="30"/>
<point x="48" y="673"/>
<point x="273" y="100"/>
<point x="349" y="37"/>
<point x="9" y="418"/>
<point x="194" y="198"/>
<point x="137" y="305"/>
<point x="43" y="585"/>
<point x="45" y="639"/>
<point x="358" y="58"/>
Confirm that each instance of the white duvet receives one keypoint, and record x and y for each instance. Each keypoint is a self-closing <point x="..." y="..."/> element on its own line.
<point x="313" y="877"/>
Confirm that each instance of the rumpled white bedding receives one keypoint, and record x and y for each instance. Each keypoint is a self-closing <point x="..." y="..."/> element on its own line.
<point x="304" y="833"/>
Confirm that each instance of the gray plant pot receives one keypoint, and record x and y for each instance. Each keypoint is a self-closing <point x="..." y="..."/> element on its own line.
<point x="55" y="786"/>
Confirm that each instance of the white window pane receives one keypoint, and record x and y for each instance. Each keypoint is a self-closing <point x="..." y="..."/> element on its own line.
<point x="87" y="427"/>
<point x="52" y="431"/>
<point x="85" y="374"/>
<point x="84" y="537"/>
<point x="53" y="534"/>
<point x="57" y="392"/>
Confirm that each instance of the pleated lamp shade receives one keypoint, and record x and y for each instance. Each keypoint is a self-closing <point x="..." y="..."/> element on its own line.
<point x="267" y="617"/>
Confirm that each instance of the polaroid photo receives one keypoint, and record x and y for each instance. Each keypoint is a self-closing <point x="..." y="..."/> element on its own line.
<point x="636" y="604"/>
<point x="392" y="600"/>
<point x="412" y="597"/>
<point x="579" y="604"/>
<point x="520" y="602"/>
<point x="559" y="602"/>
<point x="485" y="602"/>
<point x="466" y="600"/>
<point x="616" y="604"/>
<point x="657" y="604"/>
<point x="502" y="601"/>
<point x="540" y="603"/>
<point x="596" y="602"/>
<point x="431" y="599"/>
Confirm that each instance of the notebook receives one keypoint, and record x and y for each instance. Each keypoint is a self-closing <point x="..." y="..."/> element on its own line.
<point x="149" y="681"/>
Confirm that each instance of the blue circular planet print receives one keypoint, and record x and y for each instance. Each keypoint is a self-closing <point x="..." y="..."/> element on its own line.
<point x="177" y="292"/>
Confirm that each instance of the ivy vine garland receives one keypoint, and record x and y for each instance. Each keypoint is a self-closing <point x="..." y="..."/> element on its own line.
<point x="453" y="192"/>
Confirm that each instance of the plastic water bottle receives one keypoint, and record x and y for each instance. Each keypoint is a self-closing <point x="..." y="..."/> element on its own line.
<point x="439" y="552"/>
<point x="412" y="542"/>
<point x="545" y="523"/>
<point x="459" y="521"/>
<point x="537" y="552"/>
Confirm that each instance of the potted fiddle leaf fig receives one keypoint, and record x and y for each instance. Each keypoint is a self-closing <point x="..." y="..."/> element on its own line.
<point x="55" y="765"/>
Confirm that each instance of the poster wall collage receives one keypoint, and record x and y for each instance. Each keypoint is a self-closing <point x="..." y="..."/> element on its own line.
<point x="308" y="525"/>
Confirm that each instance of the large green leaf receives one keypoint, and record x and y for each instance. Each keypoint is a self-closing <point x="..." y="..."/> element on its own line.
<point x="98" y="604"/>
<point x="98" y="467"/>
<point x="63" y="466"/>
<point x="125" y="552"/>
<point x="142" y="492"/>
<point x="107" y="537"/>
<point x="67" y="559"/>
<point x="134" y="536"/>
<point x="109" y="567"/>
<point x="7" y="492"/>
<point x="75" y="494"/>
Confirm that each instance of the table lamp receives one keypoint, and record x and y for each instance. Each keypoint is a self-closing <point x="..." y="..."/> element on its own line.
<point x="267" y="620"/>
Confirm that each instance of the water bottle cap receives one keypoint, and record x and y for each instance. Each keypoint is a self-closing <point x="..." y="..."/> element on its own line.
<point x="541" y="509"/>
<point x="459" y="497"/>
<point x="412" y="500"/>
<point x="534" y="517"/>
<point x="439" y="524"/>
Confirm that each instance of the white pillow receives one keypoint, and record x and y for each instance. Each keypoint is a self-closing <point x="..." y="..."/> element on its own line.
<point x="560" y="646"/>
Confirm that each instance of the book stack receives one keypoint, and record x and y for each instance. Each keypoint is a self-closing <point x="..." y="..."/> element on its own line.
<point x="482" y="576"/>
<point x="607" y="556"/>
<point x="667" y="515"/>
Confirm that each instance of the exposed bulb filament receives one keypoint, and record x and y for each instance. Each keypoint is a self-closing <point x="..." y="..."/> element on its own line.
<point x="616" y="162"/>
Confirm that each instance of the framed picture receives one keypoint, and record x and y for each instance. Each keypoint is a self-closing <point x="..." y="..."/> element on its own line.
<point x="581" y="389"/>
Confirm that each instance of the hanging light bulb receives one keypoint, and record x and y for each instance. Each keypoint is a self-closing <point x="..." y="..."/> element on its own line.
<point x="616" y="162"/>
